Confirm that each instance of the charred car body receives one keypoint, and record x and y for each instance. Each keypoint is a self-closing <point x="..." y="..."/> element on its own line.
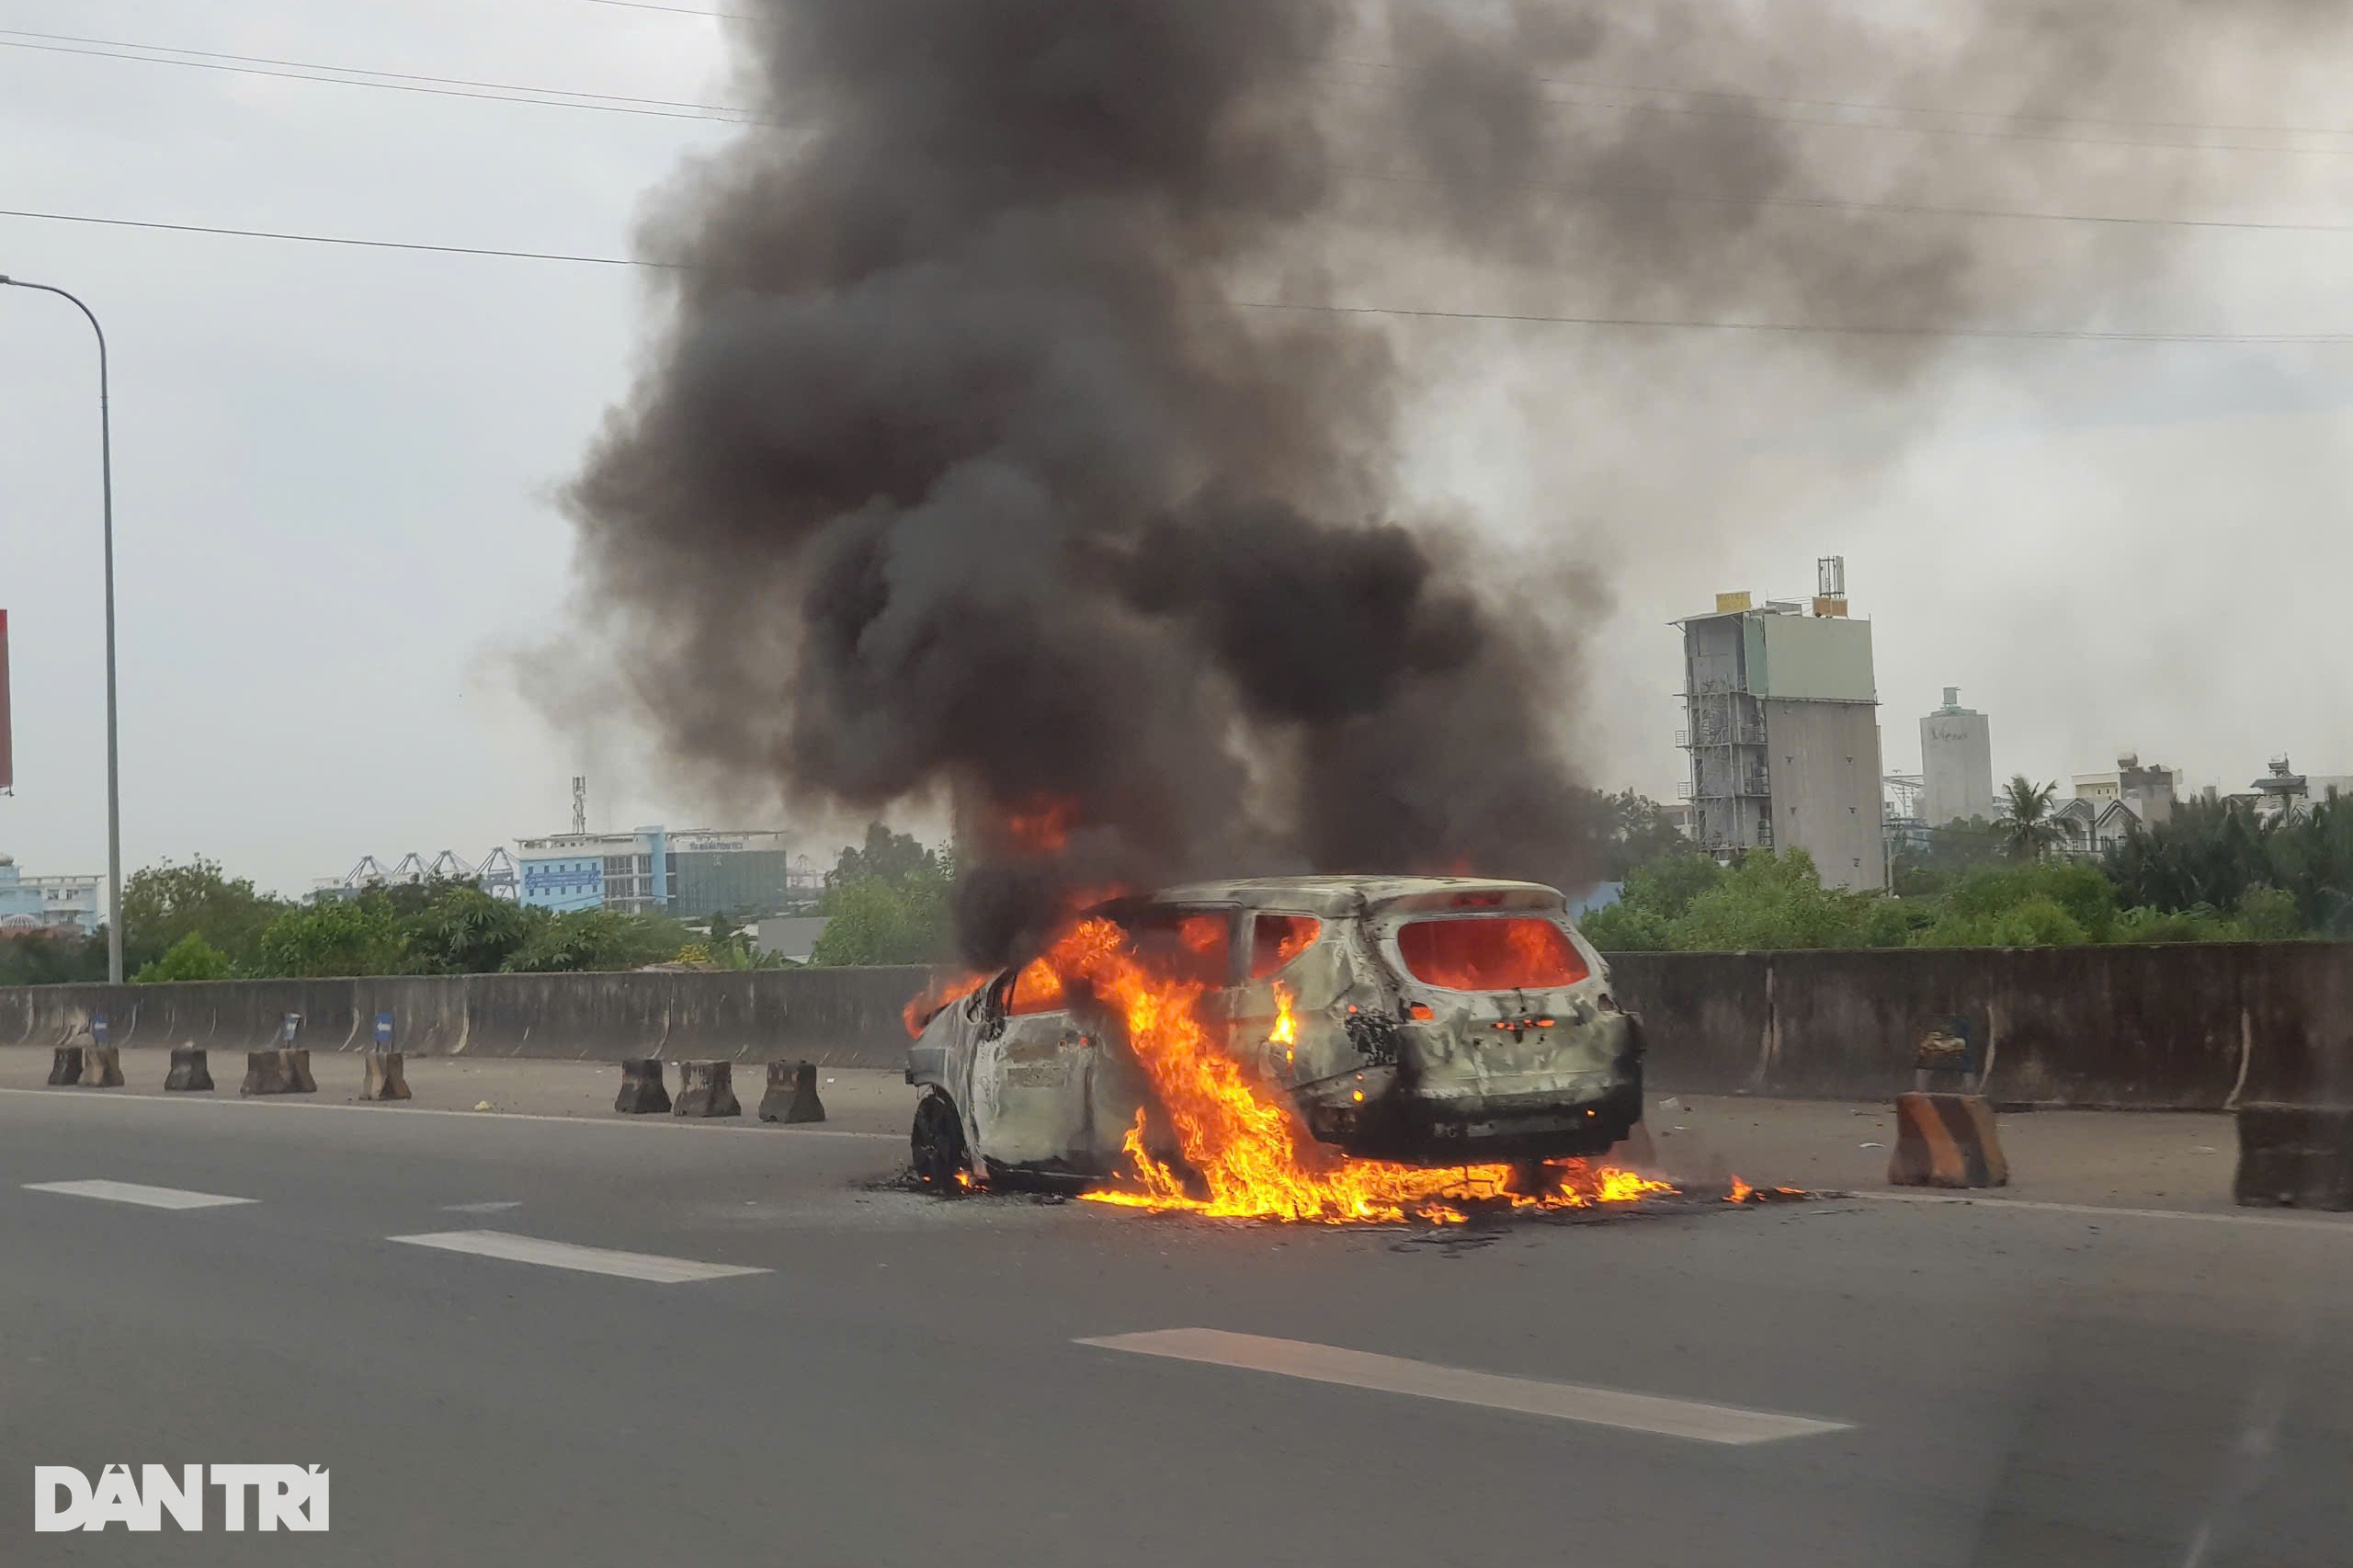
<point x="1435" y="1021"/>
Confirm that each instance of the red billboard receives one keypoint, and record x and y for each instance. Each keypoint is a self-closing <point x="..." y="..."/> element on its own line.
<point x="8" y="765"/>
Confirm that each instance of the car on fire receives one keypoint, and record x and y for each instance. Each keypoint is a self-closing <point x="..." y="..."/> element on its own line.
<point x="1431" y="1021"/>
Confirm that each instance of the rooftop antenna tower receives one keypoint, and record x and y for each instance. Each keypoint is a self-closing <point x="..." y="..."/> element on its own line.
<point x="579" y="807"/>
<point x="1830" y="585"/>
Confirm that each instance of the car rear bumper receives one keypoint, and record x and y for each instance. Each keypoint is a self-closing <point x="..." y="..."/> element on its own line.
<point x="1478" y="1130"/>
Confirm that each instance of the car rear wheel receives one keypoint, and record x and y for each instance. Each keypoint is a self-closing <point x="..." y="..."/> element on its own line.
<point x="938" y="1144"/>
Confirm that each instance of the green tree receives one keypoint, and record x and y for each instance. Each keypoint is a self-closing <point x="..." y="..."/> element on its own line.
<point x="733" y="945"/>
<point x="1626" y="927"/>
<point x="2049" y="903"/>
<point x="2216" y="854"/>
<point x="1772" y="901"/>
<point x="1634" y="831"/>
<point x="2270" y="914"/>
<point x="463" y="930"/>
<point x="333" y="938"/>
<point x="191" y="958"/>
<point x="164" y="904"/>
<point x="1656" y="896"/>
<point x="597" y="940"/>
<point x="886" y="856"/>
<point x="878" y="922"/>
<point x="2027" y="830"/>
<point x="1953" y="851"/>
<point x="2035" y="923"/>
<point x="53" y="961"/>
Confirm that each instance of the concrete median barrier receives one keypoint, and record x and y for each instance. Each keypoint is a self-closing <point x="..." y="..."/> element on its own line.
<point x="67" y="1067"/>
<point x="707" y="1089"/>
<point x="102" y="1067"/>
<point x="191" y="1072"/>
<point x="642" y="1092"/>
<point x="2173" y="1027"/>
<point x="387" y="1078"/>
<point x="835" y="1018"/>
<point x="1946" y="1141"/>
<point x="2295" y="1158"/>
<point x="791" y="1096"/>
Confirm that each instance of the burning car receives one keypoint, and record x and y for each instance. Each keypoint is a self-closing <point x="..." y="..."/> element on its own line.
<point x="1417" y="1022"/>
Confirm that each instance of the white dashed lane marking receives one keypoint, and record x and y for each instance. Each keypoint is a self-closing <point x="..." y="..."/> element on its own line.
<point x="583" y="1260"/>
<point x="132" y="1192"/>
<point x="1390" y="1374"/>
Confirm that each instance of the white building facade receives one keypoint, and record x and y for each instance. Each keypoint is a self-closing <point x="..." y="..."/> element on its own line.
<point x="1956" y="764"/>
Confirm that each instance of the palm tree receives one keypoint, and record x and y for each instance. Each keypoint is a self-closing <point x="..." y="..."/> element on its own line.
<point x="2026" y="828"/>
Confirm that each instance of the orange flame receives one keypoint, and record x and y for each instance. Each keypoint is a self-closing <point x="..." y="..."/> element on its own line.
<point x="1741" y="1192"/>
<point x="925" y="1004"/>
<point x="1042" y="826"/>
<point x="1247" y="1148"/>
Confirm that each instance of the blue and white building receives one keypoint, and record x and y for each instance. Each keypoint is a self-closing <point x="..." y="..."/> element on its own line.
<point x="47" y="906"/>
<point x="691" y="873"/>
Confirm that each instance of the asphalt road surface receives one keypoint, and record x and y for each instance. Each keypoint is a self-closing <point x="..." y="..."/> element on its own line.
<point x="578" y="1342"/>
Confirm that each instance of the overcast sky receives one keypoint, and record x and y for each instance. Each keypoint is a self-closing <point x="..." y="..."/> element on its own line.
<point x="334" y="465"/>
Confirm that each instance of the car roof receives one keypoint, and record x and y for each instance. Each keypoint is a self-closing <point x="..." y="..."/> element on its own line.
<point x="1355" y="896"/>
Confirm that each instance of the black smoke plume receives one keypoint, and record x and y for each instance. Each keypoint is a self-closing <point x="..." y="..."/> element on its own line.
<point x="972" y="460"/>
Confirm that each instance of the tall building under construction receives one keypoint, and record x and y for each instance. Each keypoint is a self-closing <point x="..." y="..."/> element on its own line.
<point x="1781" y="722"/>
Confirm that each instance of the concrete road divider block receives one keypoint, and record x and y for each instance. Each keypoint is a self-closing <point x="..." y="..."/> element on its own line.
<point x="792" y="1098"/>
<point x="387" y="1078"/>
<point x="707" y="1088"/>
<point x="266" y="1074"/>
<point x="67" y="1067"/>
<point x="102" y="1066"/>
<point x="190" y="1069"/>
<point x="643" y="1093"/>
<point x="2291" y="1156"/>
<point x="1946" y="1141"/>
<point x="280" y="1072"/>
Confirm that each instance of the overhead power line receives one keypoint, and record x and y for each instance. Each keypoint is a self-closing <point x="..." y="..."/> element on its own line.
<point x="2066" y="334"/>
<point x="1395" y="312"/>
<point x="364" y="71"/>
<point x="358" y="76"/>
<point x="674" y="10"/>
<point x="1975" y="134"/>
<point x="676" y="108"/>
<point x="332" y="239"/>
<point x="1835" y="204"/>
<point x="448" y="87"/>
<point x="1966" y="133"/>
<point x="2014" y="116"/>
<point x="2017" y="116"/>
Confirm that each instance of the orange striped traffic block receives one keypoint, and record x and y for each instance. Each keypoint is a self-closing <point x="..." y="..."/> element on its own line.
<point x="1946" y="1141"/>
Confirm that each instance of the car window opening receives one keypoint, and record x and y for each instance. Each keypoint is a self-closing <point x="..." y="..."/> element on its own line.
<point x="1037" y="989"/>
<point x="1490" y="953"/>
<point x="1276" y="939"/>
<point x="1192" y="948"/>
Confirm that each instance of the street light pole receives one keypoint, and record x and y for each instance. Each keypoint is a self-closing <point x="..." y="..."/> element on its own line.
<point x="113" y="756"/>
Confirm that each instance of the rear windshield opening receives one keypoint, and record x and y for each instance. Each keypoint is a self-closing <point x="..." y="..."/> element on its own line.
<point x="1490" y="953"/>
<point x="1276" y="939"/>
